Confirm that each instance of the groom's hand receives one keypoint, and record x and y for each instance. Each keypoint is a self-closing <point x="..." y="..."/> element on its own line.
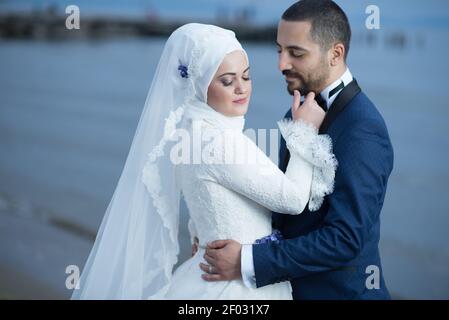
<point x="308" y="111"/>
<point x="223" y="258"/>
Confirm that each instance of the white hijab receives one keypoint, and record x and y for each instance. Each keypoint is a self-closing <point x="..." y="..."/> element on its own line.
<point x="137" y="243"/>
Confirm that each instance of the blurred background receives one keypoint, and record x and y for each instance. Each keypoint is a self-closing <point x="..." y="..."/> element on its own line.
<point x="70" y="101"/>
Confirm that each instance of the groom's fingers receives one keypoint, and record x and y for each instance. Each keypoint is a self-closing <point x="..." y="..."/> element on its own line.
<point x="217" y="244"/>
<point x="204" y="267"/>
<point x="211" y="253"/>
<point x="296" y="100"/>
<point x="209" y="260"/>
<point x="310" y="97"/>
<point x="212" y="277"/>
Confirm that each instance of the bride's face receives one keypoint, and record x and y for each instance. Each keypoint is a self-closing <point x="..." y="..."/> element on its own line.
<point x="230" y="90"/>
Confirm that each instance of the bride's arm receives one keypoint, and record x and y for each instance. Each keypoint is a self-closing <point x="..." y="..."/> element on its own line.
<point x="309" y="175"/>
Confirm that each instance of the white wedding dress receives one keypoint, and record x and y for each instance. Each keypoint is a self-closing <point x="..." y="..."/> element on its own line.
<point x="234" y="201"/>
<point x="137" y="245"/>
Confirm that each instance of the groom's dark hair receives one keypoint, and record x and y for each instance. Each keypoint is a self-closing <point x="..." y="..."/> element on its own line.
<point x="329" y="22"/>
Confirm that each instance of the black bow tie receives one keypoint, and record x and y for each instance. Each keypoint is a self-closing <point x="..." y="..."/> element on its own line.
<point x="336" y="89"/>
<point x="321" y="102"/>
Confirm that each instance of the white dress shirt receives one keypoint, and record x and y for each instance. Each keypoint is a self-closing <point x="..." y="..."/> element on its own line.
<point x="247" y="263"/>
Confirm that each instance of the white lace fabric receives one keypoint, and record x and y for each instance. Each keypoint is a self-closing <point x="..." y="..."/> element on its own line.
<point x="234" y="201"/>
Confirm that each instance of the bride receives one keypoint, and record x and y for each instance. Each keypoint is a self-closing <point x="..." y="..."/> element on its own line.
<point x="189" y="142"/>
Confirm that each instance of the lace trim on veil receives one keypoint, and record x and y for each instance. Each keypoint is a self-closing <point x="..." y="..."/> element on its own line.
<point x="152" y="179"/>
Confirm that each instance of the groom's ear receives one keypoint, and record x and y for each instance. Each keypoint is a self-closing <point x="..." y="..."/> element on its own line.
<point x="337" y="54"/>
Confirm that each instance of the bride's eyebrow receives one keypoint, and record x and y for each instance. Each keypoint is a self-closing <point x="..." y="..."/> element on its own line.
<point x="232" y="73"/>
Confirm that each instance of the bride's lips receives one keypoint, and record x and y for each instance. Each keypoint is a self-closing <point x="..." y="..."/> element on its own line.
<point x="241" y="101"/>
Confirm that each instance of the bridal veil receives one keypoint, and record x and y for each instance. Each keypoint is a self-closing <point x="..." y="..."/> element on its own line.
<point x="137" y="244"/>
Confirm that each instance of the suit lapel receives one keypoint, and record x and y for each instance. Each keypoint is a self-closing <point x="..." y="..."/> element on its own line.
<point x="342" y="100"/>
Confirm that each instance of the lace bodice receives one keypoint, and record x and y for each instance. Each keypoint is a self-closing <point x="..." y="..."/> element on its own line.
<point x="234" y="199"/>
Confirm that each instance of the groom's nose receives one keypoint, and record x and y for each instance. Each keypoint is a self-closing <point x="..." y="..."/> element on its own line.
<point x="284" y="62"/>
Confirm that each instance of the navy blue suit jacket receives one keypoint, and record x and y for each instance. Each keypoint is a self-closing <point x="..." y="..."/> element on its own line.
<point x="333" y="253"/>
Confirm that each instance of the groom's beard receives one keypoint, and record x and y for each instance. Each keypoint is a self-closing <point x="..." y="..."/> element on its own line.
<point x="314" y="83"/>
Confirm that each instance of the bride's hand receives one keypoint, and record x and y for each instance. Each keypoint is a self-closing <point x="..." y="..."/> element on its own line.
<point x="309" y="111"/>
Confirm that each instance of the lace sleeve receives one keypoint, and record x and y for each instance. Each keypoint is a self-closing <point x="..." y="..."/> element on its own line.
<point x="308" y="178"/>
<point x="256" y="177"/>
<point x="303" y="140"/>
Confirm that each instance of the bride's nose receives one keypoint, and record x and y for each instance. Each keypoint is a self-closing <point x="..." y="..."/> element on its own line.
<point x="241" y="88"/>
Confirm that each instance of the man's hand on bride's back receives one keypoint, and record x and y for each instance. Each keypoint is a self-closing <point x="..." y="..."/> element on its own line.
<point x="308" y="111"/>
<point x="223" y="258"/>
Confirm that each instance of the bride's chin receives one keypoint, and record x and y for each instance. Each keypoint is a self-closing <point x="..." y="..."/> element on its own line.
<point x="241" y="110"/>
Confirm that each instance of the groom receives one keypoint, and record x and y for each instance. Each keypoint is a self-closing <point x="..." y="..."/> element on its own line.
<point x="332" y="253"/>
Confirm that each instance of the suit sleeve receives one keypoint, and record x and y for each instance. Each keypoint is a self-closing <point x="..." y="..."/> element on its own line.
<point x="365" y="161"/>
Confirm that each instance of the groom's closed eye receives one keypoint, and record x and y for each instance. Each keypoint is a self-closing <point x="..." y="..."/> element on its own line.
<point x="296" y="54"/>
<point x="294" y="51"/>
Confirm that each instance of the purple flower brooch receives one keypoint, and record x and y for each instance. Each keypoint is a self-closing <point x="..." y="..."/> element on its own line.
<point x="183" y="70"/>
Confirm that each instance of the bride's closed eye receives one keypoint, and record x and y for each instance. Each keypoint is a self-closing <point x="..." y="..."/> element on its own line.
<point x="227" y="82"/>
